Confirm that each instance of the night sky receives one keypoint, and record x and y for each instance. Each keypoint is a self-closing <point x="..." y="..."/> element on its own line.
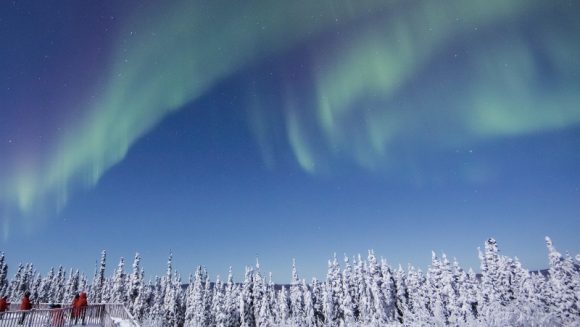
<point x="228" y="130"/>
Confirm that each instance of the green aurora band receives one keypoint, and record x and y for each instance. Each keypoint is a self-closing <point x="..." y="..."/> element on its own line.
<point x="181" y="52"/>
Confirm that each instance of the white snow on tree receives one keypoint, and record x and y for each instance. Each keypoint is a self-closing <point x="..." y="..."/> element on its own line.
<point x="362" y="293"/>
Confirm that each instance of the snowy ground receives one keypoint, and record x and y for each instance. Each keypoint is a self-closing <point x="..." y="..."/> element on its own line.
<point x="122" y="322"/>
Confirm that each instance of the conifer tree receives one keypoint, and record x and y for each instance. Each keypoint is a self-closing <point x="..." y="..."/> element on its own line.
<point x="231" y="302"/>
<point x="3" y="275"/>
<point x="118" y="292"/>
<point x="296" y="299"/>
<point x="247" y="300"/>
<point x="266" y="315"/>
<point x="401" y="294"/>
<point x="57" y="286"/>
<point x="135" y="282"/>
<point x="317" y="302"/>
<point x="14" y="288"/>
<point x="309" y="315"/>
<point x="283" y="311"/>
<point x="96" y="294"/>
<point x="258" y="289"/>
<point x="379" y="306"/>
<point x="194" y="303"/>
<point x="565" y="284"/>
<point x="72" y="286"/>
<point x="218" y="304"/>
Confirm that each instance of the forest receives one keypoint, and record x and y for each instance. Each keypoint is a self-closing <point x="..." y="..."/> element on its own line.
<point x="357" y="291"/>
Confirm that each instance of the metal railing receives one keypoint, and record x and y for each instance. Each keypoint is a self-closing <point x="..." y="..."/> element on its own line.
<point x="96" y="314"/>
<point x="117" y="311"/>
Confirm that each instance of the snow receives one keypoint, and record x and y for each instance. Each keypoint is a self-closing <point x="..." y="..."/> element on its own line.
<point x="120" y="322"/>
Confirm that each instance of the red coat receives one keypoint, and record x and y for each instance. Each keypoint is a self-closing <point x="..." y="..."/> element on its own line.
<point x="25" y="304"/>
<point x="3" y="305"/>
<point x="74" y="306"/>
<point x="80" y="304"/>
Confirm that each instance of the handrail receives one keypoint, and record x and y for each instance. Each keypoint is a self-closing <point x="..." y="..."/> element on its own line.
<point x="118" y="310"/>
<point x="100" y="314"/>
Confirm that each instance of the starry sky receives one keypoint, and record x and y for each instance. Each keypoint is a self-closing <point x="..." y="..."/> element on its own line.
<point x="228" y="130"/>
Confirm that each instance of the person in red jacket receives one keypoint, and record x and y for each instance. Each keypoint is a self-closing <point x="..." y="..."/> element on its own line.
<point x="81" y="308"/>
<point x="3" y="306"/>
<point x="74" y="311"/>
<point x="24" y="306"/>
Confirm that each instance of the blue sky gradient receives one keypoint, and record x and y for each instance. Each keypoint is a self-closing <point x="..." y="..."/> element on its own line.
<point x="226" y="132"/>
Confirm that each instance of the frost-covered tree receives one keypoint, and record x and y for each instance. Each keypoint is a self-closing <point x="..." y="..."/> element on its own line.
<point x="134" y="284"/>
<point x="283" y="310"/>
<point x="564" y="283"/>
<point x="118" y="292"/>
<point x="3" y="275"/>
<point x="96" y="293"/>
<point x="72" y="286"/>
<point x="258" y="289"/>
<point x="247" y="305"/>
<point x="317" y="302"/>
<point x="218" y="304"/>
<point x="296" y="299"/>
<point x="231" y="302"/>
<point x="143" y="301"/>
<point x="194" y="316"/>
<point x="401" y="294"/>
<point x="375" y="278"/>
<point x="57" y="286"/>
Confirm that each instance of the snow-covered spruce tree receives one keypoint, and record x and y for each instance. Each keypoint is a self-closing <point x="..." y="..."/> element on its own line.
<point x="309" y="315"/>
<point x="72" y="286"/>
<point x="135" y="282"/>
<point x="3" y="275"/>
<point x="36" y="288"/>
<point x="143" y="301"/>
<point x="401" y="294"/>
<point x="283" y="304"/>
<point x="436" y="300"/>
<point x="418" y="312"/>
<point x="296" y="299"/>
<point x="218" y="304"/>
<point x="44" y="291"/>
<point x="207" y="301"/>
<point x="333" y="295"/>
<point x="154" y="315"/>
<point x="492" y="299"/>
<point x="57" y="286"/>
<point x="317" y="302"/>
<point x="180" y="300"/>
<point x="272" y="297"/>
<point x="247" y="300"/>
<point x="363" y="281"/>
<point x="564" y="285"/>
<point x="22" y="281"/>
<point x="258" y="287"/>
<point x="389" y="290"/>
<point x="118" y="293"/>
<point x="347" y="305"/>
<point x="83" y="284"/>
<point x="467" y="294"/>
<point x="379" y="306"/>
<point x="14" y="285"/>
<point x="170" y="300"/>
<point x="450" y="291"/>
<point x="96" y="292"/>
<point x="194" y="312"/>
<point x="266" y="316"/>
<point x="231" y="302"/>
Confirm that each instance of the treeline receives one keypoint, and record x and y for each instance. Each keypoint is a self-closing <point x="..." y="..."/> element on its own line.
<point x="357" y="292"/>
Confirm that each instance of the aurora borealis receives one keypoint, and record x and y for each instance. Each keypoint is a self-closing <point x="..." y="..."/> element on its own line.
<point x="410" y="99"/>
